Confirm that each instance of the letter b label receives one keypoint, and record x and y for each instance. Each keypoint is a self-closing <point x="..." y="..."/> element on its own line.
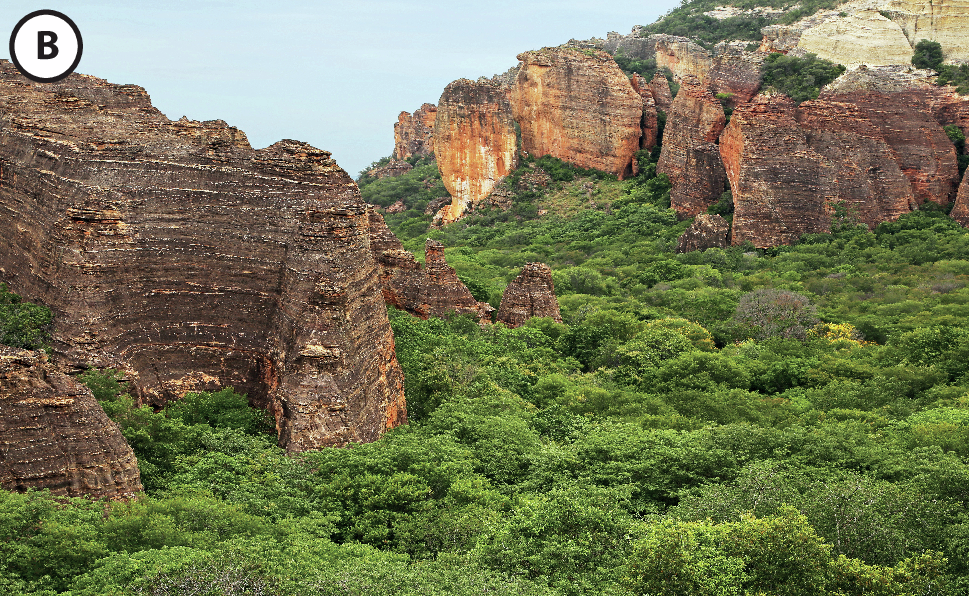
<point x="45" y="45"/>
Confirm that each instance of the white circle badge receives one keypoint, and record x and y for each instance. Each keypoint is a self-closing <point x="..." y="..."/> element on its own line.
<point x="46" y="46"/>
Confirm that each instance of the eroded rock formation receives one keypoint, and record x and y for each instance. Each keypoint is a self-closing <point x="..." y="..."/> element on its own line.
<point x="661" y="92"/>
<point x="414" y="133"/>
<point x="475" y="143"/>
<point x="706" y="231"/>
<point x="391" y="170"/>
<point x="944" y="21"/>
<point x="433" y="289"/>
<point x="56" y="436"/>
<point x="531" y="294"/>
<point x="578" y="107"/>
<point x="690" y="156"/>
<point x="177" y="252"/>
<point x="960" y="211"/>
<point x="649" y="122"/>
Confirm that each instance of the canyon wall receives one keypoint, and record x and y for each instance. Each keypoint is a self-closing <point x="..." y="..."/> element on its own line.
<point x="414" y="133"/>
<point x="475" y="143"/>
<point x="960" y="211"/>
<point x="177" y="252"/>
<point x="54" y="435"/>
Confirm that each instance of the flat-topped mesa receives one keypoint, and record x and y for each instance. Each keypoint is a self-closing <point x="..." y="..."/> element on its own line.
<point x="531" y="294"/>
<point x="960" y="211"/>
<point x="578" y="106"/>
<point x="690" y="156"/>
<point x="475" y="143"/>
<point x="431" y="290"/>
<point x="56" y="436"/>
<point x="194" y="262"/>
<point x="922" y="149"/>
<point x="414" y="133"/>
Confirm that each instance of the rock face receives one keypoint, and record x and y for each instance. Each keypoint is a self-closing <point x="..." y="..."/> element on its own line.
<point x="789" y="168"/>
<point x="531" y="294"/>
<point x="661" y="92"/>
<point x="960" y="211"/>
<point x="690" y="156"/>
<point x="414" y="133"/>
<point x="922" y="149"/>
<point x="175" y="251"/>
<point x="706" y="231"/>
<point x="55" y="434"/>
<point x="863" y="37"/>
<point x="649" y="122"/>
<point x="729" y="69"/>
<point x="391" y="170"/>
<point x="433" y="290"/>
<point x="944" y="21"/>
<point x="578" y="107"/>
<point x="475" y="143"/>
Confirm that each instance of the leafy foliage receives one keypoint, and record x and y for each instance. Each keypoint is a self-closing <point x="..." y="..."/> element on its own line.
<point x="955" y="75"/>
<point x="928" y="54"/>
<point x="799" y="78"/>
<point x="23" y="324"/>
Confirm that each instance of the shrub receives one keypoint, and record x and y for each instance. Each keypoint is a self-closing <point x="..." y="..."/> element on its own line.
<point x="800" y="78"/>
<point x="928" y="54"/>
<point x="767" y="313"/>
<point x="23" y="324"/>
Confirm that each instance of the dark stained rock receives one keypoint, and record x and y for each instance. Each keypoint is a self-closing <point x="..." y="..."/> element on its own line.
<point x="175" y="251"/>
<point x="706" y="231"/>
<point x="531" y="294"/>
<point x="960" y="211"/>
<point x="54" y="435"/>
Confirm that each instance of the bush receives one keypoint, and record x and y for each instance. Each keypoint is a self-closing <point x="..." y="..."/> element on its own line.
<point x="22" y="324"/>
<point x="767" y="313"/>
<point x="800" y="78"/>
<point x="928" y="54"/>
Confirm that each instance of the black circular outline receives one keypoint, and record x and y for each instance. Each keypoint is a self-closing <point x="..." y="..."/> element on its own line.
<point x="77" y="33"/>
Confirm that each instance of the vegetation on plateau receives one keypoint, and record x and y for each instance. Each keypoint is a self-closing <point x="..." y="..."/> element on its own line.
<point x="799" y="78"/>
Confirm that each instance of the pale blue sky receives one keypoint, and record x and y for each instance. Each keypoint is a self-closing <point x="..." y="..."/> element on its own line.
<point x="333" y="74"/>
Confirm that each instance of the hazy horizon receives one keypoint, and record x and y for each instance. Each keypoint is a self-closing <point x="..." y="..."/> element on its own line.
<point x="333" y="75"/>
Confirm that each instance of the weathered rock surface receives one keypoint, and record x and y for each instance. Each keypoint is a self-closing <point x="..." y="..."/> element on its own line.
<point x="175" y="251"/>
<point x="649" y="122"/>
<point x="531" y="294"/>
<point x="661" y="92"/>
<point x="728" y="69"/>
<point x="391" y="170"/>
<point x="862" y="37"/>
<point x="475" y="143"/>
<point x="706" y="231"/>
<point x="414" y="133"/>
<point x="690" y="156"/>
<point x="56" y="436"/>
<point x="944" y="21"/>
<point x="960" y="211"/>
<point x="577" y="107"/>
<point x="922" y="149"/>
<point x="431" y="290"/>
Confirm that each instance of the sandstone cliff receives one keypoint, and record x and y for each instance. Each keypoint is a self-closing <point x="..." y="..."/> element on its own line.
<point x="649" y="122"/>
<point x="431" y="290"/>
<point x="578" y="107"/>
<point x="706" y="231"/>
<point x="56" y="436"/>
<point x="177" y="252"/>
<point x="531" y="294"/>
<point x="475" y="143"/>
<point x="690" y="156"/>
<point x="944" y="21"/>
<point x="414" y="133"/>
<point x="662" y="95"/>
<point x="960" y="211"/>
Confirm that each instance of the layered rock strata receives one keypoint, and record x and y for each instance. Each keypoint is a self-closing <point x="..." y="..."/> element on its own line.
<point x="578" y="107"/>
<point x="414" y="133"/>
<point x="649" y="124"/>
<point x="706" y="231"/>
<point x="177" y="252"/>
<point x="431" y="290"/>
<point x="531" y="294"/>
<point x="690" y="156"/>
<point x="960" y="211"/>
<point x="475" y="143"/>
<point x="944" y="21"/>
<point x="55" y="434"/>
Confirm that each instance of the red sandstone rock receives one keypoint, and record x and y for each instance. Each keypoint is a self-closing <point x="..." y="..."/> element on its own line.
<point x="649" y="122"/>
<point x="735" y="72"/>
<point x="475" y="143"/>
<point x="397" y="207"/>
<point x="578" y="107"/>
<point x="690" y="156"/>
<point x="960" y="211"/>
<point x="175" y="251"/>
<point x="661" y="92"/>
<point x="706" y="231"/>
<point x="391" y="170"/>
<point x="56" y="436"/>
<point x="414" y="133"/>
<point x="531" y="294"/>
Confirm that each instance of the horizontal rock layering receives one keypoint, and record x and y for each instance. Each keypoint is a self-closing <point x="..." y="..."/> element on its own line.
<point x="176" y="251"/>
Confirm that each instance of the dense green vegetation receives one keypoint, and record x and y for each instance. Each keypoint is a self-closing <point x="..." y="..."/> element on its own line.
<point x="799" y="78"/>
<point x="23" y="324"/>
<point x="958" y="76"/>
<point x="928" y="54"/>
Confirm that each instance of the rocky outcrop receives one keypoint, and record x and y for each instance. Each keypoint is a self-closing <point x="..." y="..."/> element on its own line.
<point x="682" y="56"/>
<point x="690" y="156"/>
<point x="706" y="231"/>
<point x="175" y="251"/>
<point x="579" y="107"/>
<point x="960" y="211"/>
<point x="475" y="143"/>
<point x="414" y="133"/>
<point x="944" y="21"/>
<point x="860" y="37"/>
<point x="649" y="122"/>
<point x="56" y="436"/>
<point x="922" y="149"/>
<point x="431" y="290"/>
<point x="735" y="72"/>
<point x="790" y="168"/>
<point x="531" y="294"/>
<point x="662" y="95"/>
<point x="391" y="170"/>
<point x="635" y="45"/>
